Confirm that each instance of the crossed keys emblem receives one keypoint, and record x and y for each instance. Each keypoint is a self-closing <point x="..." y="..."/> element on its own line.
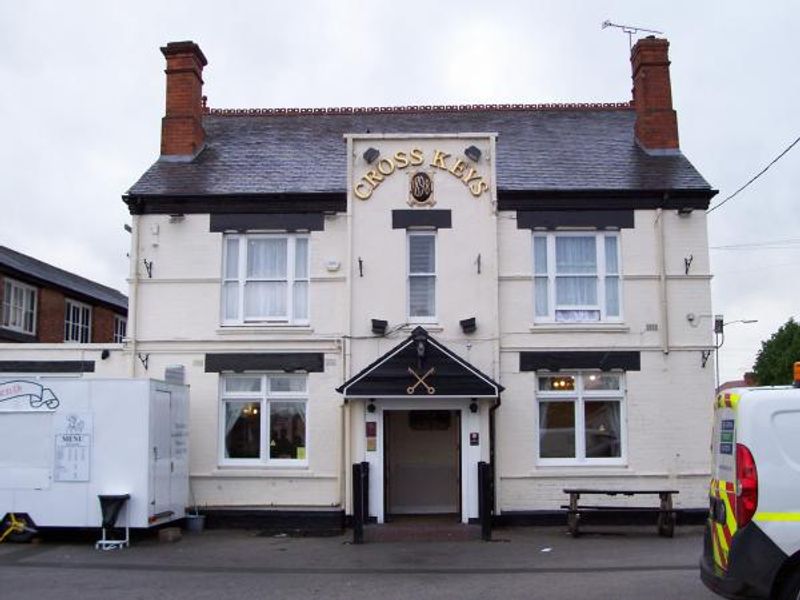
<point x="421" y="381"/>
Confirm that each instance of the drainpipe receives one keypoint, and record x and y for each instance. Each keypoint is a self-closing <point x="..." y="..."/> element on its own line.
<point x="133" y="304"/>
<point x="662" y="260"/>
<point x="497" y="404"/>
<point x="499" y="401"/>
<point x="347" y="456"/>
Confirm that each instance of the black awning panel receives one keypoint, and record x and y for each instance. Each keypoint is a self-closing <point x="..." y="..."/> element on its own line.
<point x="420" y="367"/>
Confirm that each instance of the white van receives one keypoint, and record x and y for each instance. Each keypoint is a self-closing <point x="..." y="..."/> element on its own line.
<point x="752" y="539"/>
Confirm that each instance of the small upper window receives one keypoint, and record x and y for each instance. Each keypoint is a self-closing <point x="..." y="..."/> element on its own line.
<point x="78" y="322"/>
<point x="120" y="328"/>
<point x="422" y="276"/>
<point x="576" y="277"/>
<point x="265" y="279"/>
<point x="19" y="307"/>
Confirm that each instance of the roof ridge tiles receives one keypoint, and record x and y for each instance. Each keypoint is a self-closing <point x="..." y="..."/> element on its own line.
<point x="421" y="108"/>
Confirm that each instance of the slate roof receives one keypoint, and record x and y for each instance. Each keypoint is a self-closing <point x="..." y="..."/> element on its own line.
<point x="27" y="267"/>
<point x="537" y="149"/>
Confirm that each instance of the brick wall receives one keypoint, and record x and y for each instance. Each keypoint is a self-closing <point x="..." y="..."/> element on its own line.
<point x="102" y="325"/>
<point x="50" y="320"/>
<point x="656" y="121"/>
<point x="181" y="128"/>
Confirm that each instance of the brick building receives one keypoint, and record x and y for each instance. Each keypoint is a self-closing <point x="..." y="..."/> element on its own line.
<point x="45" y="304"/>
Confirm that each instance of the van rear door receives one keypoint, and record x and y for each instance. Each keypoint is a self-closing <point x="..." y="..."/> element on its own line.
<point x="722" y="493"/>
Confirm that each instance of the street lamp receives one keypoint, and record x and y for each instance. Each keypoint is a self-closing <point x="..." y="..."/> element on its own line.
<point x="719" y="337"/>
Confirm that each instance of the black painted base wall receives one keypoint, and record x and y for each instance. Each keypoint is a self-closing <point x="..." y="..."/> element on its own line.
<point x="270" y="522"/>
<point x="334" y="522"/>
<point x="687" y="516"/>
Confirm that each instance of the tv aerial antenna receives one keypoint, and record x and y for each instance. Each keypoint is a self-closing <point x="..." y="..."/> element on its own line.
<point x="629" y="29"/>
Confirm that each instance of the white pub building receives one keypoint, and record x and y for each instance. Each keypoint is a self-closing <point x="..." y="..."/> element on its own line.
<point x="423" y="289"/>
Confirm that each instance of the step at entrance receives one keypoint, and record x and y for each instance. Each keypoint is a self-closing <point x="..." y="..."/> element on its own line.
<point x="421" y="529"/>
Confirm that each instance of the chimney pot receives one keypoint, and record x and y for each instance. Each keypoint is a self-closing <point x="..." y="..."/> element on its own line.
<point x="182" y="133"/>
<point x="656" y="121"/>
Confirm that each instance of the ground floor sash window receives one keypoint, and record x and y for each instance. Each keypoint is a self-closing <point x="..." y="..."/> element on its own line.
<point x="580" y="418"/>
<point x="263" y="419"/>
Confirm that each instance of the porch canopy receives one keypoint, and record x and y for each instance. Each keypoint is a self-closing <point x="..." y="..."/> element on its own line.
<point x="420" y="367"/>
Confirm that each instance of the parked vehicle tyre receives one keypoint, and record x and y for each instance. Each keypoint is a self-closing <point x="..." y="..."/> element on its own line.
<point x="790" y="589"/>
<point x="23" y="532"/>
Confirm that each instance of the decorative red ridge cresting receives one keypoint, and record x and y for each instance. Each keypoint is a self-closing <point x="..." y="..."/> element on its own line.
<point x="422" y="108"/>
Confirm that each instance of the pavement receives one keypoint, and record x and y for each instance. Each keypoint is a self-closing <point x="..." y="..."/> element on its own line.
<point x="523" y="562"/>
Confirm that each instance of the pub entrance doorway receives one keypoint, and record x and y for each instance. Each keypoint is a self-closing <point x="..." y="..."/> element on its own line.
<point x="422" y="463"/>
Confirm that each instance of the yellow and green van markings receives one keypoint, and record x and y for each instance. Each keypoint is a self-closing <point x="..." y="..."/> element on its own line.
<point x="727" y="400"/>
<point x="722" y="533"/>
<point x="777" y="516"/>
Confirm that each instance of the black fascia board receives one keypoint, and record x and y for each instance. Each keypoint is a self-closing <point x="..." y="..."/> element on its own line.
<point x="431" y="217"/>
<point x="70" y="293"/>
<point x="171" y="204"/>
<point x="220" y="222"/>
<point x="605" y="360"/>
<point x="602" y="199"/>
<point x="46" y="366"/>
<point x="289" y="362"/>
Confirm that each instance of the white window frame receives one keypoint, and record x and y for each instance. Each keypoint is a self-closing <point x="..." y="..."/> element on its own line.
<point x="263" y="398"/>
<point x="120" y="329"/>
<point x="601" y="274"/>
<point x="28" y="292"/>
<point x="422" y="233"/>
<point x="578" y="398"/>
<point x="241" y="279"/>
<point x="85" y="310"/>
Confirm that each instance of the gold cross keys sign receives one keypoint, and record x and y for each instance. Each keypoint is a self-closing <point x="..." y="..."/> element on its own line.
<point x="421" y="381"/>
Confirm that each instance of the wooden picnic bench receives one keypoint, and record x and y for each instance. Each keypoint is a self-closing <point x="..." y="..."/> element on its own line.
<point x="666" y="514"/>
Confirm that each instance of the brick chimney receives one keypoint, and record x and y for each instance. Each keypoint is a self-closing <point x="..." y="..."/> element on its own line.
<point x="182" y="133"/>
<point x="656" y="122"/>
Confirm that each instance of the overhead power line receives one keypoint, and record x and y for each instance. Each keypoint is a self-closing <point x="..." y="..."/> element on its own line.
<point x="756" y="176"/>
<point x="769" y="245"/>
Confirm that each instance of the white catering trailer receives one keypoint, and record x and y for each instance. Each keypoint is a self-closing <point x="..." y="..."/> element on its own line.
<point x="67" y="442"/>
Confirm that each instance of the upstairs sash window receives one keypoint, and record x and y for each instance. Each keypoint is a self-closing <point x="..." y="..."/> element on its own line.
<point x="265" y="279"/>
<point x="576" y="277"/>
<point x="78" y="322"/>
<point x="19" y="307"/>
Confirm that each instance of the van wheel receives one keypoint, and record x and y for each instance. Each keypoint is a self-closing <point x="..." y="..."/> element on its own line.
<point x="790" y="589"/>
<point x="22" y="532"/>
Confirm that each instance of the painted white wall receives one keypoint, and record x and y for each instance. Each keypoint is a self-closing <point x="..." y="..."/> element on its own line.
<point x="667" y="402"/>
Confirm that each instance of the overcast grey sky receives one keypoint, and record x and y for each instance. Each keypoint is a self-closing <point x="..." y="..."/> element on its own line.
<point x="82" y="96"/>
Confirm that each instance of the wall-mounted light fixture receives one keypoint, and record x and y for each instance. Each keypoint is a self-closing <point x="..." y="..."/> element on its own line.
<point x="685" y="211"/>
<point x="371" y="154"/>
<point x="468" y="325"/>
<point x="177" y="218"/>
<point x="473" y="407"/>
<point x="371" y="407"/>
<point x="379" y="326"/>
<point x="473" y="153"/>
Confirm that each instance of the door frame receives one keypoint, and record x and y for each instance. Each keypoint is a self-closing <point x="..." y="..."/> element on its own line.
<point x="469" y="456"/>
<point x="386" y="451"/>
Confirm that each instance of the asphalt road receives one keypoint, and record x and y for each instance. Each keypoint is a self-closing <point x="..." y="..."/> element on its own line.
<point x="619" y="563"/>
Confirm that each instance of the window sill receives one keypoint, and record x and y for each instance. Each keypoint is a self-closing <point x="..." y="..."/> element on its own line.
<point x="577" y="472"/>
<point x="428" y="325"/>
<point x="260" y="328"/>
<point x="570" y="467"/>
<point x="262" y="471"/>
<point x="579" y="328"/>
